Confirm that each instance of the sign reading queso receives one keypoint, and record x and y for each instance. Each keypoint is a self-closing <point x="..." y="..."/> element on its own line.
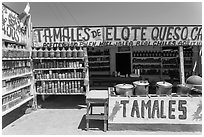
<point x="155" y="110"/>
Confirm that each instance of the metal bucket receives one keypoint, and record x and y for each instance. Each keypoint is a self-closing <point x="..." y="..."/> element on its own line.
<point x="141" y="87"/>
<point x="124" y="89"/>
<point x="163" y="88"/>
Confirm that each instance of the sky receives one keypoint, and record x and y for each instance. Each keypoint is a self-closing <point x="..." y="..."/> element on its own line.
<point x="111" y="13"/>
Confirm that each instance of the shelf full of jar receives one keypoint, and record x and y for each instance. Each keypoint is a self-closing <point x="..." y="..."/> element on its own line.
<point x="99" y="52"/>
<point x="51" y="64"/>
<point x="15" y="99"/>
<point x="160" y="54"/>
<point x="15" y="84"/>
<point x="14" y="51"/>
<point x="60" y="87"/>
<point x="5" y="43"/>
<point x="60" y="75"/>
<point x="58" y="53"/>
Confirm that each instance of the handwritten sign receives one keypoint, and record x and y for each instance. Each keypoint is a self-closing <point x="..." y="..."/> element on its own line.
<point x="119" y="36"/>
<point x="11" y="29"/>
<point x="67" y="36"/>
<point x="168" y="110"/>
<point x="153" y="35"/>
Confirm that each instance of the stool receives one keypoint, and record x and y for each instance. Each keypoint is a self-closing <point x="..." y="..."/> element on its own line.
<point x="97" y="98"/>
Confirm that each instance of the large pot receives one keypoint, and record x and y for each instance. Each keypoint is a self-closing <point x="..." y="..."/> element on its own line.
<point x="141" y="87"/>
<point x="163" y="88"/>
<point x="195" y="82"/>
<point x="124" y="89"/>
<point x="183" y="89"/>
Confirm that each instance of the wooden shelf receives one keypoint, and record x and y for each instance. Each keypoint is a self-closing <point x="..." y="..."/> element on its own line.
<point x="13" y="42"/>
<point x="99" y="66"/>
<point x="97" y="56"/>
<point x="147" y="57"/>
<point x="5" y="59"/>
<point x="61" y="93"/>
<point x="146" y="63"/>
<point x="15" y="76"/>
<point x="57" y="68"/>
<point x="58" y="58"/>
<point x="106" y="61"/>
<point x="17" y="105"/>
<point x="70" y="79"/>
<point x="15" y="89"/>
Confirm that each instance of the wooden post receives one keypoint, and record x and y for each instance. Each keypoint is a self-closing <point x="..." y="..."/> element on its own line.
<point x="182" y="76"/>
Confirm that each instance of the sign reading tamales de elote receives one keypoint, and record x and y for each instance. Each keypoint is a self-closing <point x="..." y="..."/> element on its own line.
<point x="166" y="110"/>
<point x="128" y="35"/>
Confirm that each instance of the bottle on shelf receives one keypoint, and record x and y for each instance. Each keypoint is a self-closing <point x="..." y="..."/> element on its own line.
<point x="52" y="53"/>
<point x="63" y="53"/>
<point x="80" y="52"/>
<point x="74" y="52"/>
<point x="69" y="53"/>
<point x="57" y="53"/>
<point x="45" y="52"/>
<point x="40" y="53"/>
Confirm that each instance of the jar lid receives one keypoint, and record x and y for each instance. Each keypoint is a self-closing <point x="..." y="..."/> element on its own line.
<point x="142" y="83"/>
<point x="164" y="83"/>
<point x="124" y="86"/>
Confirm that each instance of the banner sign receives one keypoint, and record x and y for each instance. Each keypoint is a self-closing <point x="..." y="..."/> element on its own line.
<point x="11" y="29"/>
<point x="166" y="110"/>
<point x="119" y="36"/>
<point x="153" y="35"/>
<point x="67" y="36"/>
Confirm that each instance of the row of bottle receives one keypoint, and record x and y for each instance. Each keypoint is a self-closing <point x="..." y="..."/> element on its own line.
<point x="99" y="64"/>
<point x="98" y="52"/>
<point x="15" y="64"/>
<point x="99" y="69"/>
<point x="21" y="94"/>
<point x="148" y="60"/>
<point x="142" y="66"/>
<point x="58" y="64"/>
<point x="15" y="83"/>
<point x="60" y="87"/>
<point x="159" y="54"/>
<point x="10" y="53"/>
<point x="59" y="75"/>
<point x="52" y="53"/>
<point x="98" y="59"/>
<point x="15" y="71"/>
<point x="8" y="45"/>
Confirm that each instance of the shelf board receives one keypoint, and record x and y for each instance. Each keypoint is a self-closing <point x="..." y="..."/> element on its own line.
<point x="147" y="57"/>
<point x="57" y="68"/>
<point x="15" y="76"/>
<point x="106" y="61"/>
<point x="60" y="93"/>
<point x="15" y="89"/>
<point x="58" y="58"/>
<point x="97" y="56"/>
<point x="16" y="59"/>
<point x="17" y="105"/>
<point x="146" y="63"/>
<point x="99" y="66"/>
<point x="10" y="41"/>
<point x="70" y="79"/>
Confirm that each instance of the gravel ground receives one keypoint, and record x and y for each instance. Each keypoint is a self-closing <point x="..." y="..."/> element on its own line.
<point x="64" y="115"/>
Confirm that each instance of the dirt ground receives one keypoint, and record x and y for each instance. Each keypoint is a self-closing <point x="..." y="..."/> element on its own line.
<point x="65" y="115"/>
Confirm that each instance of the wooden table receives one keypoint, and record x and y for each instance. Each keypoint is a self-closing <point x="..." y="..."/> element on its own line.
<point x="97" y="98"/>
